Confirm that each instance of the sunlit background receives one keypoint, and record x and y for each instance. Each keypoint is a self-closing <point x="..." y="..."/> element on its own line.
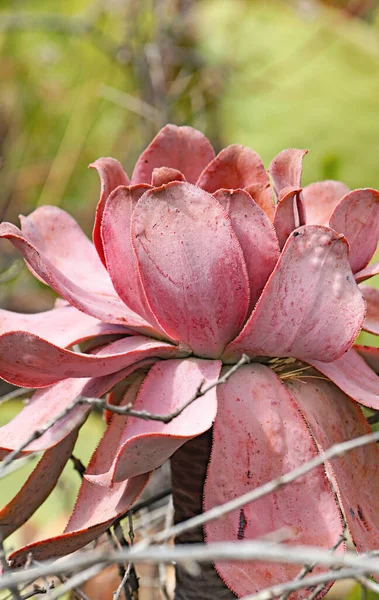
<point x="81" y="79"/>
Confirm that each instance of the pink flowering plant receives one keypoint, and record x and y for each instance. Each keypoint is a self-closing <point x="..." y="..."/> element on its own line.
<point x="195" y="262"/>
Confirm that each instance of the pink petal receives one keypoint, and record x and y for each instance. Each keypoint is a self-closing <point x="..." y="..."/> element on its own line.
<point x="321" y="198"/>
<point x="357" y="217"/>
<point x="371" y="296"/>
<point x="286" y="168"/>
<point x="98" y="299"/>
<point x="334" y="418"/>
<point x="368" y="272"/>
<point x="62" y="326"/>
<point x="95" y="510"/>
<point x="45" y="405"/>
<point x="289" y="214"/>
<point x="119" y="253"/>
<point x="261" y="193"/>
<point x="182" y="148"/>
<point x="191" y="266"/>
<point x="29" y="361"/>
<point x="164" y="175"/>
<point x="311" y="306"/>
<point x="138" y="445"/>
<point x="111" y="176"/>
<point x="259" y="434"/>
<point x="370" y="355"/>
<point x="353" y="376"/>
<point x="60" y="239"/>
<point x="38" y="486"/>
<point x="256" y="236"/>
<point x="235" y="167"/>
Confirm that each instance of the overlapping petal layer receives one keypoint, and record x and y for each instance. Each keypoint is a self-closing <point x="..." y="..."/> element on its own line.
<point x="256" y="236"/>
<point x="353" y="376"/>
<point x="185" y="246"/>
<point x="289" y="214"/>
<point x="286" y="169"/>
<point x="140" y="445"/>
<point x="321" y="198"/>
<point x="273" y="439"/>
<point x="335" y="418"/>
<point x="120" y="258"/>
<point x="370" y="355"/>
<point x="98" y="301"/>
<point x="182" y="148"/>
<point x="63" y="326"/>
<point x="234" y="168"/>
<point x="111" y="176"/>
<point x="29" y="361"/>
<point x="295" y="316"/>
<point x="357" y="217"/>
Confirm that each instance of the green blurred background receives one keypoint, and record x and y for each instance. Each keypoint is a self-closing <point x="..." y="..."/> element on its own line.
<point x="81" y="79"/>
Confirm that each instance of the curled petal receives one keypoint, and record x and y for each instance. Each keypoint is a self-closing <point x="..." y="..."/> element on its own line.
<point x="256" y="236"/>
<point x="321" y="198"/>
<point x="289" y="214"/>
<point x="258" y="435"/>
<point x="261" y="193"/>
<point x="56" y="269"/>
<point x="367" y="273"/>
<point x="182" y="148"/>
<point x="95" y="510"/>
<point x="120" y="258"/>
<point x="46" y="405"/>
<point x="311" y="307"/>
<point x="370" y="355"/>
<point x="60" y="239"/>
<point x="63" y="326"/>
<point x="335" y="418"/>
<point x="371" y="296"/>
<point x="140" y="445"/>
<point x="185" y="246"/>
<point x="286" y="168"/>
<point x="235" y="167"/>
<point x="164" y="175"/>
<point x="357" y="217"/>
<point x="38" y="486"/>
<point x="353" y="376"/>
<point x="29" y="361"/>
<point x="111" y="176"/>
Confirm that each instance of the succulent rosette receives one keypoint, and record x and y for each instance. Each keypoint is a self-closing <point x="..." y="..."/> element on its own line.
<point x="196" y="261"/>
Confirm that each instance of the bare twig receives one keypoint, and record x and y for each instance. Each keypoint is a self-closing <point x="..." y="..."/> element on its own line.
<point x="320" y="580"/>
<point x="76" y="580"/>
<point x="167" y="418"/>
<point x="309" y="568"/>
<point x="5" y="568"/>
<point x="18" y="465"/>
<point x="14" y="394"/>
<point x="37" y="590"/>
<point x="257" y="550"/>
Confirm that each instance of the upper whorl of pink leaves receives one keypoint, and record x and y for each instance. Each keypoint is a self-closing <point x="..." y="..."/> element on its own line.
<point x="196" y="260"/>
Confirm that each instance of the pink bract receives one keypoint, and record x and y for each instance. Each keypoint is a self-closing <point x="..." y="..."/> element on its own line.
<point x="197" y="260"/>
